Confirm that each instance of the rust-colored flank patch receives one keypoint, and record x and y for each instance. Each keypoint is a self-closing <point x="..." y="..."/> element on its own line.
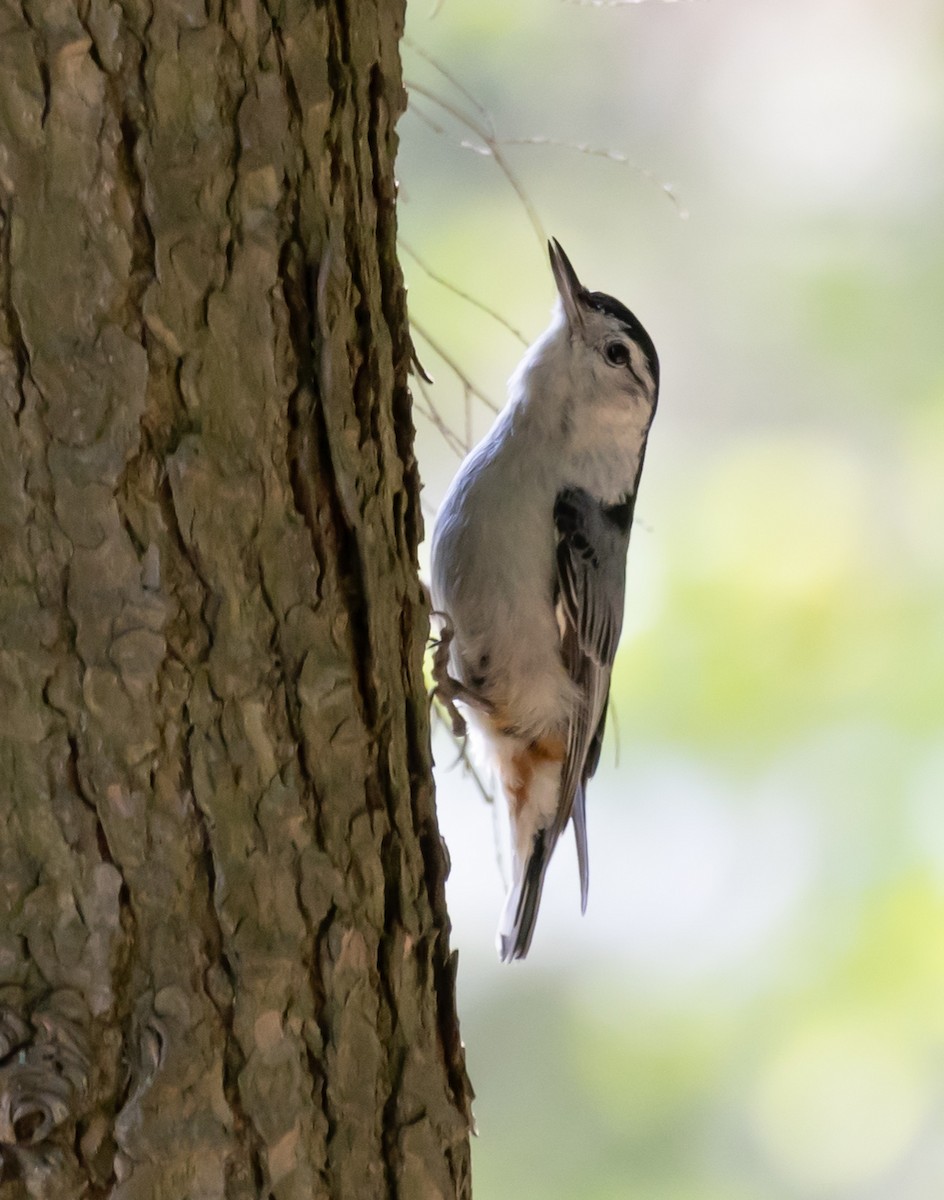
<point x="517" y="780"/>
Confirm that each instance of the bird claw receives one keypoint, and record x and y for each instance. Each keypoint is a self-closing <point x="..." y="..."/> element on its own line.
<point x="448" y="690"/>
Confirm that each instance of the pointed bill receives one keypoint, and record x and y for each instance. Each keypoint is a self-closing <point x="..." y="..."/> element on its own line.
<point x="568" y="285"/>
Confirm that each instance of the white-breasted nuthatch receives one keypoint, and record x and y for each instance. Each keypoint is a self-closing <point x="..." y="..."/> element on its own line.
<point x="528" y="570"/>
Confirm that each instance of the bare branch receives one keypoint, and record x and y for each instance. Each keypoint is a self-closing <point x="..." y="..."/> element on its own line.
<point x="490" y="147"/>
<point x="457" y="291"/>
<point x="462" y="756"/>
<point x="427" y="120"/>
<point x="616" y="156"/>
<point x="453" y="366"/>
<point x="431" y="413"/>
<point x="447" y="75"/>
<point x="610" y="3"/>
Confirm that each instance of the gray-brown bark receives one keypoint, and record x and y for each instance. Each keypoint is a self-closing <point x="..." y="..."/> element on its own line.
<point x="224" y="967"/>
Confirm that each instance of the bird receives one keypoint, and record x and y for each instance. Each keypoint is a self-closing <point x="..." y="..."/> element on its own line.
<point x="528" y="569"/>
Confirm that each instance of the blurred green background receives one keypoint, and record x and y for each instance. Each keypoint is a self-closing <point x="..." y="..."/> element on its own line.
<point x="753" y="1006"/>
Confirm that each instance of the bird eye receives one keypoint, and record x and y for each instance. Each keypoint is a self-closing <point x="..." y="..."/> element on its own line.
<point x="617" y="354"/>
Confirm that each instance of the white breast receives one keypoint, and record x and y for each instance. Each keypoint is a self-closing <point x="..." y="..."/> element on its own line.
<point x="601" y="454"/>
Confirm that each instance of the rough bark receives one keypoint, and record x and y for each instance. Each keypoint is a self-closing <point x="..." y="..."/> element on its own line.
<point x="224" y="965"/>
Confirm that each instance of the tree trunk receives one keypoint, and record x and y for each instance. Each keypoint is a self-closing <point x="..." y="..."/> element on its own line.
<point x="224" y="962"/>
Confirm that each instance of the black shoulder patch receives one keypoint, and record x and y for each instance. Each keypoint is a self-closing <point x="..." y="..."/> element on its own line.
<point x="566" y="514"/>
<point x="621" y="514"/>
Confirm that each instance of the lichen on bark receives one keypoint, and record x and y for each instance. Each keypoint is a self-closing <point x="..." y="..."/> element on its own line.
<point x="224" y="961"/>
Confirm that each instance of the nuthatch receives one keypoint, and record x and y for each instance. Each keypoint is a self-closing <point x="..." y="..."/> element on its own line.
<point x="529" y="568"/>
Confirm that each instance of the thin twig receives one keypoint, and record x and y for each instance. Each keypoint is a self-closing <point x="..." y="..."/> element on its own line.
<point x="491" y="148"/>
<point x="616" y="156"/>
<point x="431" y="414"/>
<point x="463" y="295"/>
<point x="454" y="366"/>
<point x="450" y="78"/>
<point x="463" y="755"/>
<point x="427" y="119"/>
<point x="611" y="3"/>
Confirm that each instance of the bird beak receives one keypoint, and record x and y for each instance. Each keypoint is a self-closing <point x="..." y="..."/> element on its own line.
<point x="568" y="285"/>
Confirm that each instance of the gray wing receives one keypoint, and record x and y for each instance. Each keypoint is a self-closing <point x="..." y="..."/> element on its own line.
<point x="591" y="582"/>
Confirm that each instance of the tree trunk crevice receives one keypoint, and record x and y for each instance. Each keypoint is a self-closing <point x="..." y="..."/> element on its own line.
<point x="224" y="958"/>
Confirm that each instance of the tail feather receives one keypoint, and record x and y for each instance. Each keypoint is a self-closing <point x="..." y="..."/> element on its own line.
<point x="520" y="913"/>
<point x="579" y="817"/>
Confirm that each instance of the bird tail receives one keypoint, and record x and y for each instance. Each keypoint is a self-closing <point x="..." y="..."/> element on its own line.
<point x="520" y="913"/>
<point x="579" y="818"/>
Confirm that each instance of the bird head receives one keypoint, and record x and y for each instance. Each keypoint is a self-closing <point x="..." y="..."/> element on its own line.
<point x="613" y="358"/>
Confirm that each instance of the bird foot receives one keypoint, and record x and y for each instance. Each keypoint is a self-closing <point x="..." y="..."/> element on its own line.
<point x="448" y="690"/>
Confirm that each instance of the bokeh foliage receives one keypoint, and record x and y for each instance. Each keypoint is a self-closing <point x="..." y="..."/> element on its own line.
<point x="753" y="1006"/>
